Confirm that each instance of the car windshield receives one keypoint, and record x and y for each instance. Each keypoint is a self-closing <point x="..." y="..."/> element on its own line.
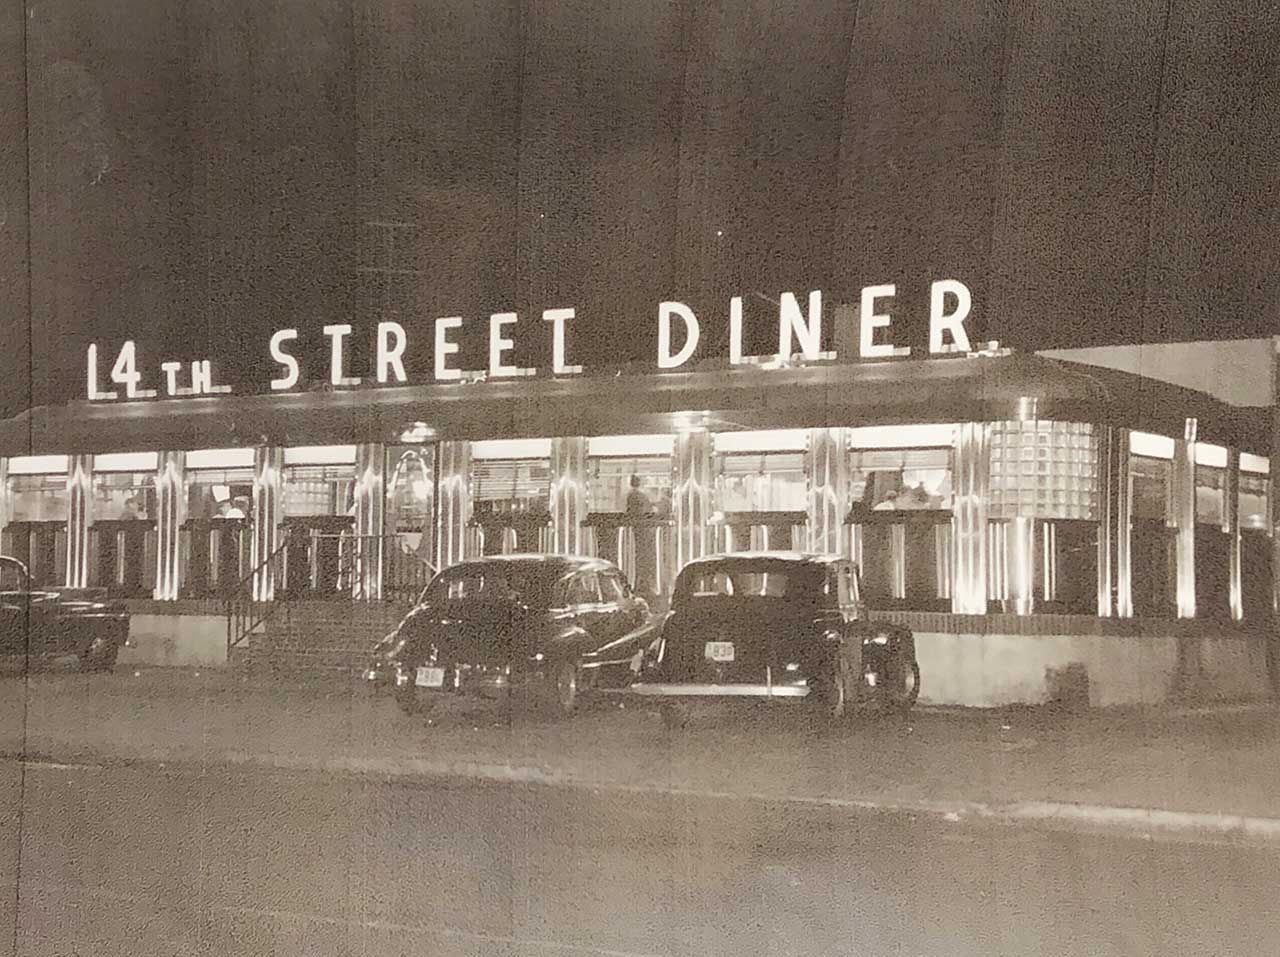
<point x="749" y="580"/>
<point x="496" y="582"/>
<point x="12" y="577"/>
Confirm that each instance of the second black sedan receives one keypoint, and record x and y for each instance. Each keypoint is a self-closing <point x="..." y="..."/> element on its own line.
<point x="553" y="626"/>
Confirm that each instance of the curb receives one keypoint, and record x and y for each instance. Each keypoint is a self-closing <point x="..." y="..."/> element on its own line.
<point x="1130" y="822"/>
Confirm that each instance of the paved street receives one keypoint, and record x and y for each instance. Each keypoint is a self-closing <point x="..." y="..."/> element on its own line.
<point x="176" y="813"/>
<point x="143" y="860"/>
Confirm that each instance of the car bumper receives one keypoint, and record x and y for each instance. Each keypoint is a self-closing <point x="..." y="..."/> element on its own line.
<point x="691" y="690"/>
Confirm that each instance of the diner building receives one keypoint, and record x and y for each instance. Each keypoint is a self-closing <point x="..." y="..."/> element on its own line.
<point x="1049" y="529"/>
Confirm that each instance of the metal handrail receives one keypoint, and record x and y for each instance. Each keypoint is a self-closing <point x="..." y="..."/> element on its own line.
<point x="245" y="613"/>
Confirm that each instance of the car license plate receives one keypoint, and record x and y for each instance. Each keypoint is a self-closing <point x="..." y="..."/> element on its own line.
<point x="719" y="650"/>
<point x="430" y="678"/>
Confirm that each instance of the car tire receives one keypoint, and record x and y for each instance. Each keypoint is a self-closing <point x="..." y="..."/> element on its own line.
<point x="674" y="717"/>
<point x="565" y="684"/>
<point x="832" y="696"/>
<point x="902" y="696"/>
<point x="410" y="703"/>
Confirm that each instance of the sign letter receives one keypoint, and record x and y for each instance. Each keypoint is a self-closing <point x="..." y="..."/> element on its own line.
<point x="791" y="321"/>
<point x="665" y="311"/>
<point x="389" y="356"/>
<point x="868" y="349"/>
<point x="94" y="392"/>
<point x="954" y="323"/>
<point x="557" y="318"/>
<point x="289" y="362"/>
<point x="170" y="370"/>
<point x="498" y="346"/>
<point x="125" y="372"/>
<point x="735" y="330"/>
<point x="445" y="348"/>
<point x="336" y="334"/>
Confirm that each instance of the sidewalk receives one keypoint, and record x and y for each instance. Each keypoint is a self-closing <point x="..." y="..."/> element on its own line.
<point x="1216" y="771"/>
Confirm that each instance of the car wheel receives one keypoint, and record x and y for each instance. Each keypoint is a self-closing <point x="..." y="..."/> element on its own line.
<point x="832" y="691"/>
<point x="674" y="717"/>
<point x="910" y="687"/>
<point x="566" y="680"/>
<point x="410" y="702"/>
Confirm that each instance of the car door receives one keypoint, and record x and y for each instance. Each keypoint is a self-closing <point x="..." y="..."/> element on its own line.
<point x="582" y="600"/>
<point x="621" y="631"/>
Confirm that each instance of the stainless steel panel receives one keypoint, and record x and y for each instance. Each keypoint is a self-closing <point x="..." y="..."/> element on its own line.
<point x="453" y="512"/>
<point x="1231" y="525"/>
<point x="691" y="483"/>
<point x="264" y="531"/>
<point x="171" y="507"/>
<point x="568" y="495"/>
<point x="370" y="501"/>
<point x="971" y="471"/>
<point x="79" y="520"/>
<point x="826" y="468"/>
<point x="1183" y="514"/>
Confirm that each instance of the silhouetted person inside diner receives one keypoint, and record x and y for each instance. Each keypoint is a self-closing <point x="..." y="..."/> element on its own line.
<point x="639" y="507"/>
<point x="638" y="504"/>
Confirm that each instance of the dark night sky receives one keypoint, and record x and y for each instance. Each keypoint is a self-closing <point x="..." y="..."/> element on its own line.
<point x="201" y="174"/>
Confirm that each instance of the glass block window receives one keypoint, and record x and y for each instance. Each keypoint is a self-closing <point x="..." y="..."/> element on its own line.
<point x="1044" y="469"/>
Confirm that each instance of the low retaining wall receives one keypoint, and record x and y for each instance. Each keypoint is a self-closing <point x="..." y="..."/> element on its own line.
<point x="188" y="634"/>
<point x="968" y="660"/>
<point x="1002" y="660"/>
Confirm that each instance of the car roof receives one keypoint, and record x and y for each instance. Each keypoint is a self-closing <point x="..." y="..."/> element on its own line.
<point x="807" y="558"/>
<point x="555" y="563"/>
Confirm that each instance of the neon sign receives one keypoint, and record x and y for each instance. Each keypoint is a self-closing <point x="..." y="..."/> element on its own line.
<point x="679" y="334"/>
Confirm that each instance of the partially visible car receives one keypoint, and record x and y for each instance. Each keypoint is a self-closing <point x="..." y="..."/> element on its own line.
<point x="778" y="626"/>
<point x="42" y="629"/>
<point x="554" y="627"/>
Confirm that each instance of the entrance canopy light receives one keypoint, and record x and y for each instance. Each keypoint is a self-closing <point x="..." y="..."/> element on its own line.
<point x="511" y="449"/>
<point x="1153" y="446"/>
<point x="1255" y="463"/>
<point x="1214" y="456"/>
<point x="902" y="436"/>
<point x="321" y="455"/>
<point x="38" y="465"/>
<point x="126" y="462"/>
<point x="625" y="446"/>
<point x="220" y="459"/>
<point x="766" y="440"/>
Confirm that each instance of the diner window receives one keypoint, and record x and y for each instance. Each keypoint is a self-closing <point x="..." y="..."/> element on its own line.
<point x="37" y="534"/>
<point x="762" y="482"/>
<point x="317" y="490"/>
<point x="901" y="510"/>
<point x="38" y="498"/>
<point x="219" y="493"/>
<point x="122" y="496"/>
<point x="1152" y="540"/>
<point x="1212" y="544"/>
<point x="1254" y="490"/>
<point x="609" y="482"/>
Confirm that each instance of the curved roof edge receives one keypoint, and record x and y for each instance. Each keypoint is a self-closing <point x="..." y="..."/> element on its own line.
<point x="902" y="391"/>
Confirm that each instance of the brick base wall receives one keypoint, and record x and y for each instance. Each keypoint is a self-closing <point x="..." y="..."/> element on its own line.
<point x="317" y="637"/>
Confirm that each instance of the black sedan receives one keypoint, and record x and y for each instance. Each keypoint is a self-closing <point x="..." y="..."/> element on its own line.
<point x="551" y="626"/>
<point x="778" y="626"/>
<point x="42" y="629"/>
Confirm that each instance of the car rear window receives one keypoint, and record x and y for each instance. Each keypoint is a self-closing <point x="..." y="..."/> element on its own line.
<point x="749" y="581"/>
<point x="499" y="582"/>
